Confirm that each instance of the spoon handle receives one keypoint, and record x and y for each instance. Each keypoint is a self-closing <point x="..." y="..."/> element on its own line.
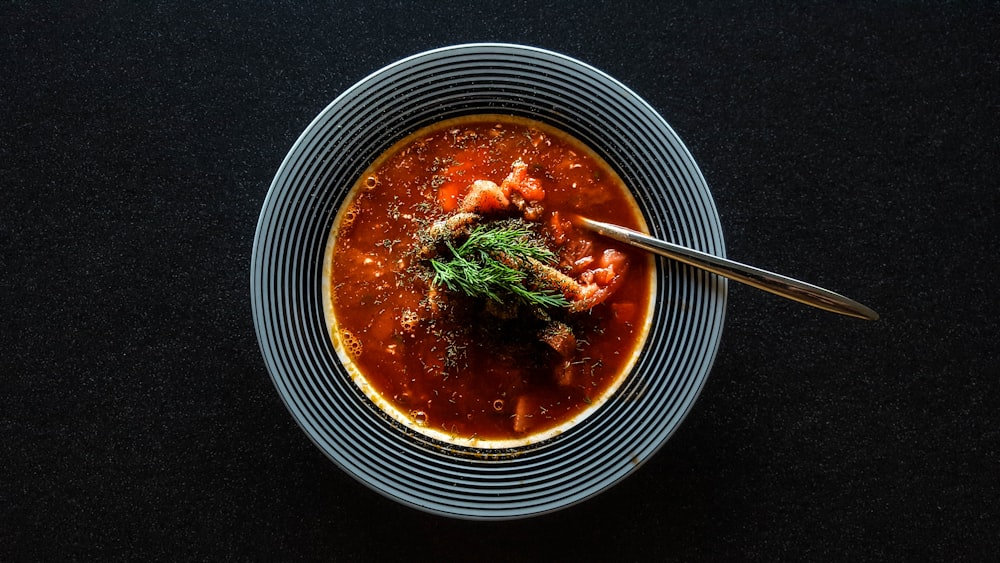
<point x="761" y="279"/>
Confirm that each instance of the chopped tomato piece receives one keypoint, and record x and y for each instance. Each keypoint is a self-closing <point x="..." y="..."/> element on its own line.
<point x="598" y="284"/>
<point x="613" y="258"/>
<point x="604" y="276"/>
<point x="530" y="188"/>
<point x="519" y="182"/>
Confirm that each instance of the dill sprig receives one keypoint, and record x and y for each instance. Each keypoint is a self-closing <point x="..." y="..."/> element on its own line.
<point x="475" y="267"/>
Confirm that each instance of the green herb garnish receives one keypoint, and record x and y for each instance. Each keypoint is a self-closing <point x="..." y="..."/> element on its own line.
<point x="485" y="266"/>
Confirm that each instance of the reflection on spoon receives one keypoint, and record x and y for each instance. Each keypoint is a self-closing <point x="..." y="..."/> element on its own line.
<point x="761" y="279"/>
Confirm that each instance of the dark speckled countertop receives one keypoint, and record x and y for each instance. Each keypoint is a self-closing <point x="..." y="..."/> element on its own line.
<point x="852" y="145"/>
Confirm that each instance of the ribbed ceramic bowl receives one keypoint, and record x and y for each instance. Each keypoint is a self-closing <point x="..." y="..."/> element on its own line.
<point x="286" y="277"/>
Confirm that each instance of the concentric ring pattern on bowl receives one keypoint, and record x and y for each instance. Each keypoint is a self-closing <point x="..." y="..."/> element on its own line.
<point x="286" y="281"/>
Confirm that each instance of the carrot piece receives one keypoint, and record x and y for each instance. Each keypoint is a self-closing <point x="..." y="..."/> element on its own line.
<point x="448" y="196"/>
<point x="522" y="414"/>
<point x="566" y="374"/>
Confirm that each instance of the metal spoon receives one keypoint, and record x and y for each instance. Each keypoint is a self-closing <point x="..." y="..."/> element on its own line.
<point x="761" y="279"/>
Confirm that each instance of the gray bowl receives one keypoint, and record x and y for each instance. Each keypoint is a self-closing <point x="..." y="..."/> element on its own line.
<point x="286" y="276"/>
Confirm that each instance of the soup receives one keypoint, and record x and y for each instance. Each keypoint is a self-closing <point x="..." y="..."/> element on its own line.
<point x="461" y="298"/>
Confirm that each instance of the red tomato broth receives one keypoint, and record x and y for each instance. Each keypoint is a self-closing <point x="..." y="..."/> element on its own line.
<point x="472" y="378"/>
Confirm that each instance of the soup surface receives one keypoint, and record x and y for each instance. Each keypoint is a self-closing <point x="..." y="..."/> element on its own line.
<point x="462" y="299"/>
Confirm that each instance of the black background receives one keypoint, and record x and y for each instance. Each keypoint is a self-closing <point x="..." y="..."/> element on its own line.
<point x="852" y="145"/>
